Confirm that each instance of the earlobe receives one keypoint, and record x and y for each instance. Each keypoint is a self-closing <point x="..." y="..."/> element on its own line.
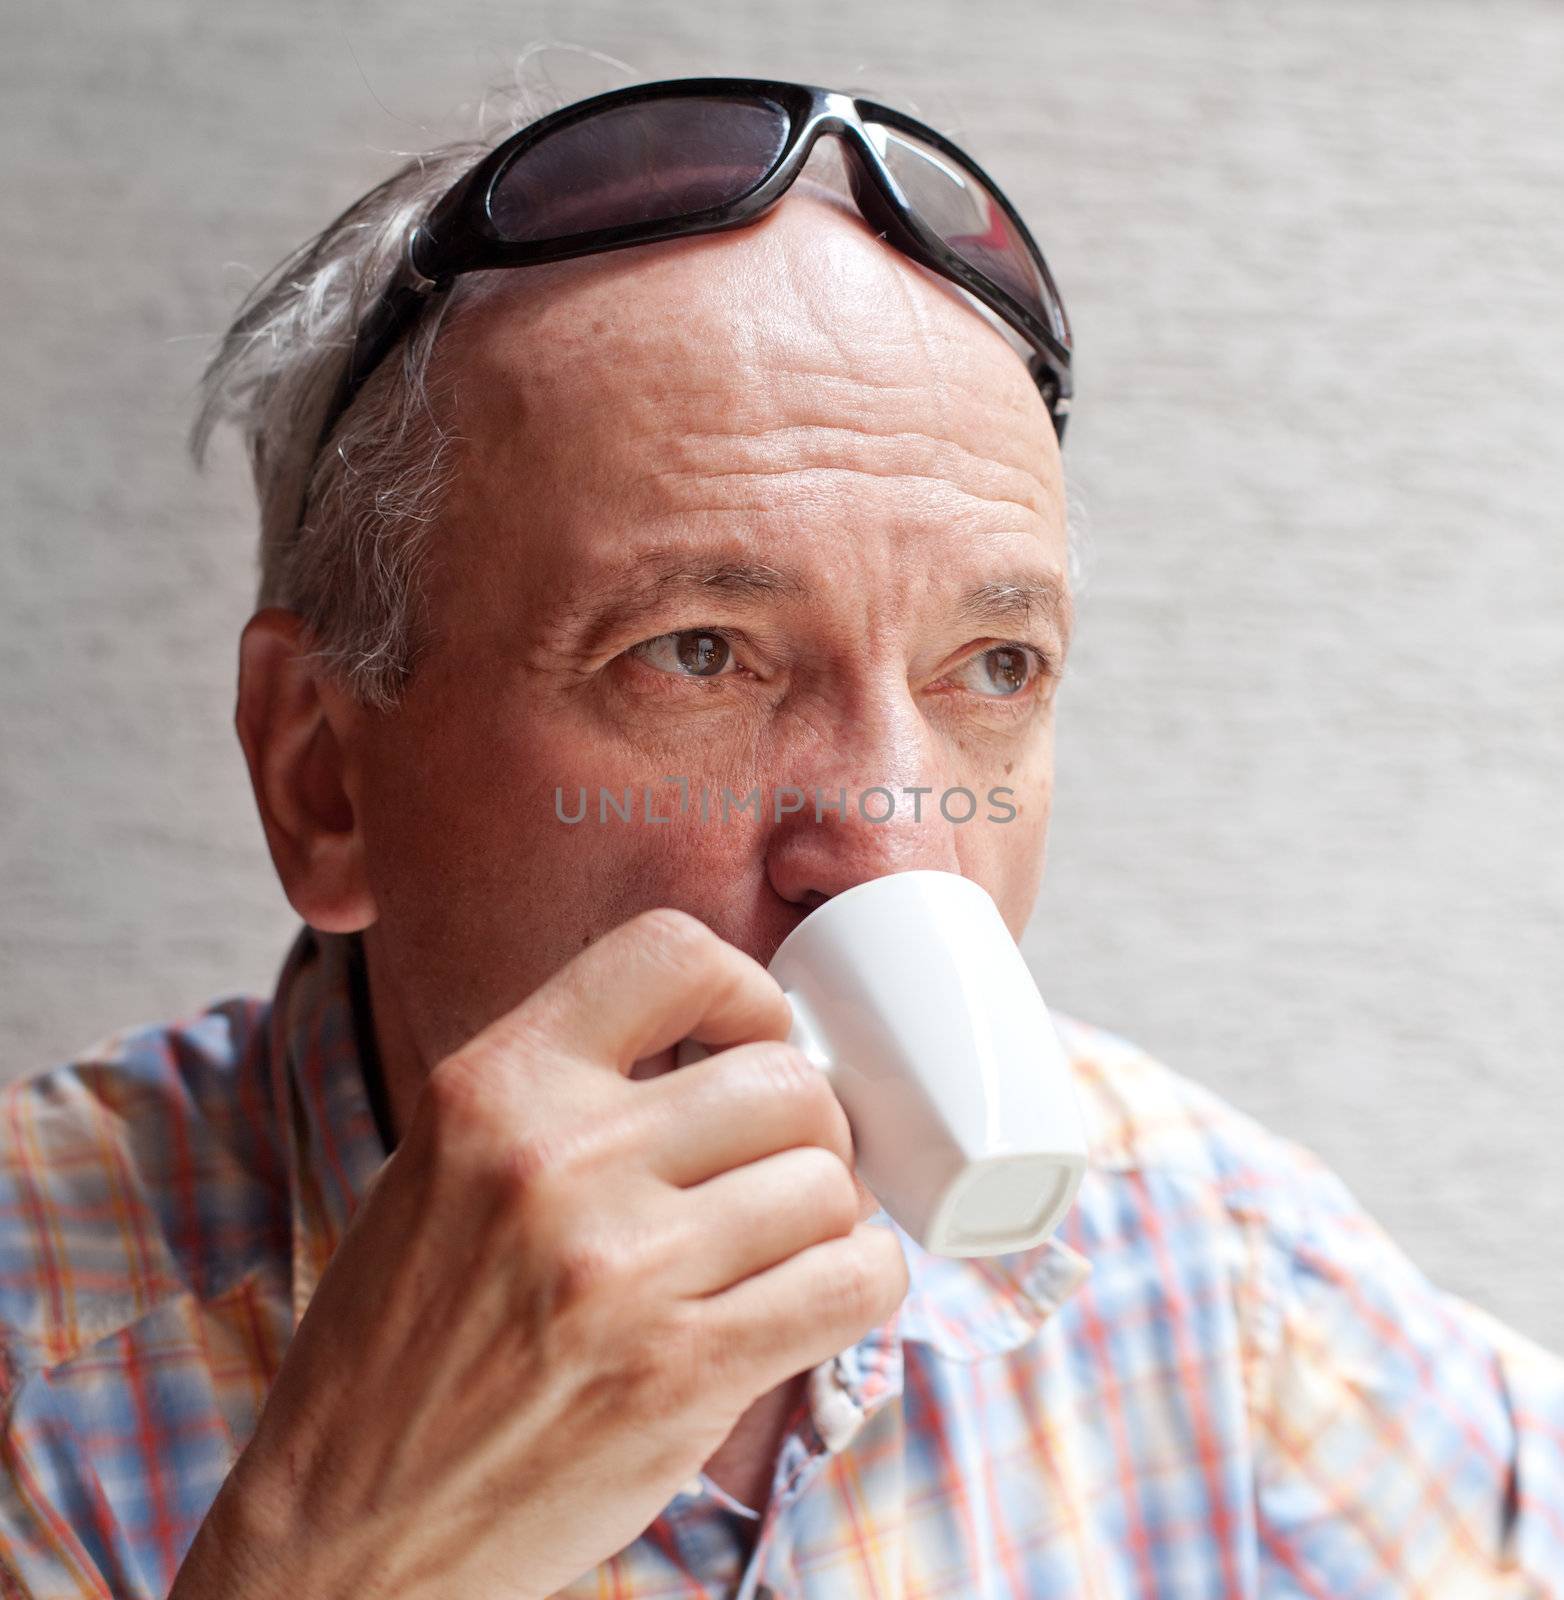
<point x="297" y="739"/>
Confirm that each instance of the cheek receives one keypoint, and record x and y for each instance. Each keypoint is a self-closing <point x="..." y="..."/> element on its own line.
<point x="498" y="858"/>
<point x="457" y="849"/>
<point x="1008" y="857"/>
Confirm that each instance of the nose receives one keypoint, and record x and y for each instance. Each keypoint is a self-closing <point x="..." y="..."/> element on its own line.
<point x="867" y="797"/>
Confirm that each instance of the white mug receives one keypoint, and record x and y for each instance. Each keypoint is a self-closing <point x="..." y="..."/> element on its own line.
<point x="910" y="994"/>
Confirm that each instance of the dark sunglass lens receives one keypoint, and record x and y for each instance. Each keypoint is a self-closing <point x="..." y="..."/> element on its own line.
<point x="966" y="216"/>
<point x="638" y="163"/>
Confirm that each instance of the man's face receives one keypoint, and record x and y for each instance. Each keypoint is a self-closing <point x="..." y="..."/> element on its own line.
<point x="752" y="511"/>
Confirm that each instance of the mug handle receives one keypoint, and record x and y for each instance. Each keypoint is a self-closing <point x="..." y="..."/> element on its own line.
<point x="804" y="1035"/>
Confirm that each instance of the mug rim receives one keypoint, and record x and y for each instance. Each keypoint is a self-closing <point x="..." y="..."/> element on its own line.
<point x="858" y="890"/>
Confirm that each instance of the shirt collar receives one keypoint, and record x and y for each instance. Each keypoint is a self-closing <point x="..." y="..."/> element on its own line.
<point x="322" y="1043"/>
<point x="334" y="1145"/>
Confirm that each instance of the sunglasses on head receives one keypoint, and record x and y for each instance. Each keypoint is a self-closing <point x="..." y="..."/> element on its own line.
<point x="699" y="155"/>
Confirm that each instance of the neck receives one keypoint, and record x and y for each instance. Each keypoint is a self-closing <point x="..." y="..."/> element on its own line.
<point x="394" y="1067"/>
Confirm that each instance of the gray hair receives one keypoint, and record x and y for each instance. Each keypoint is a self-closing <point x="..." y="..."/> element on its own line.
<point x="345" y="534"/>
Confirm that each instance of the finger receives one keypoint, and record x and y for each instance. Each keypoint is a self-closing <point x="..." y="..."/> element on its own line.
<point x="801" y="1311"/>
<point x="658" y="978"/>
<point x="744" y="1221"/>
<point x="738" y="1106"/>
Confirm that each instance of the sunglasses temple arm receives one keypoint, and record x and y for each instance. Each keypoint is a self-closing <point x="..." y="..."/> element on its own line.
<point x="386" y="324"/>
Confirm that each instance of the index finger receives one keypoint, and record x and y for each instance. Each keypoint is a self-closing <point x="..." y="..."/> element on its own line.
<point x="661" y="977"/>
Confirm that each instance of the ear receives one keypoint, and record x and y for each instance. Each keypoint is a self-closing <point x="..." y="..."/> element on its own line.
<point x="298" y="732"/>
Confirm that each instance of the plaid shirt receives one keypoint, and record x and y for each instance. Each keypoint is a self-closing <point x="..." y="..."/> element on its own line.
<point x="1219" y="1379"/>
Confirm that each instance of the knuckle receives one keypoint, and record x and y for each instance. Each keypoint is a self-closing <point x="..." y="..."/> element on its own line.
<point x="838" y="1199"/>
<point x="872" y="1285"/>
<point x="553" y="1151"/>
<point x="672" y="932"/>
<point x="455" y="1098"/>
<point x="858" y="1287"/>
<point x="688" y="951"/>
<point x="553" y="1169"/>
<point x="586" y="1268"/>
<point x="888" y="1262"/>
<point x="829" y="1186"/>
<point x="684" y="945"/>
<point x="529" y="1166"/>
<point x="785" y="1070"/>
<point x="786" y="1073"/>
<point x="674" y="1374"/>
<point x="708" y="1362"/>
<point x="838" y="1127"/>
<point x="521" y="1034"/>
<point x="475" y="1086"/>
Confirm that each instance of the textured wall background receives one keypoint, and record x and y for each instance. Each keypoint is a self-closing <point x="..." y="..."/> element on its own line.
<point x="1306" y="845"/>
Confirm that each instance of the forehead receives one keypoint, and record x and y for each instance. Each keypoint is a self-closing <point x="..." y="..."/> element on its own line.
<point x="748" y="394"/>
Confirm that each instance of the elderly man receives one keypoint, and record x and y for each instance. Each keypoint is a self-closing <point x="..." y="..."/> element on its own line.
<point x="427" y="1277"/>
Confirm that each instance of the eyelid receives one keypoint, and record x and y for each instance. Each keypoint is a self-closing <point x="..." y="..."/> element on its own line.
<point x="720" y="630"/>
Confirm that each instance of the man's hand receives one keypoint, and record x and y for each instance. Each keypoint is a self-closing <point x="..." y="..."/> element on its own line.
<point x="561" y="1292"/>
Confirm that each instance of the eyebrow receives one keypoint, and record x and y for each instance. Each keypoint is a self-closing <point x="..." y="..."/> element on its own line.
<point x="658" y="578"/>
<point x="1020" y="600"/>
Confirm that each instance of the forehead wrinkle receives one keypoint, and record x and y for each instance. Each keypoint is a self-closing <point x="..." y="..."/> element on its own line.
<point x="934" y="337"/>
<point x="877" y="455"/>
<point x="898" y="304"/>
<point x="817" y="382"/>
<point x="812" y="472"/>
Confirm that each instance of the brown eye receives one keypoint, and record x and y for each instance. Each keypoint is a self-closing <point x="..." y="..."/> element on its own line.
<point x="690" y="653"/>
<point x="1008" y="670"/>
<point x="702" y="654"/>
<point x="1002" y="672"/>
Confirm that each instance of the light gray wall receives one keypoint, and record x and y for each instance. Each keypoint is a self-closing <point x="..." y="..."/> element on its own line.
<point x="1306" y="845"/>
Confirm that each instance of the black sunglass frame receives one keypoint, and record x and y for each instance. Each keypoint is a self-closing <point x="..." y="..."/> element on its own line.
<point x="459" y="234"/>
